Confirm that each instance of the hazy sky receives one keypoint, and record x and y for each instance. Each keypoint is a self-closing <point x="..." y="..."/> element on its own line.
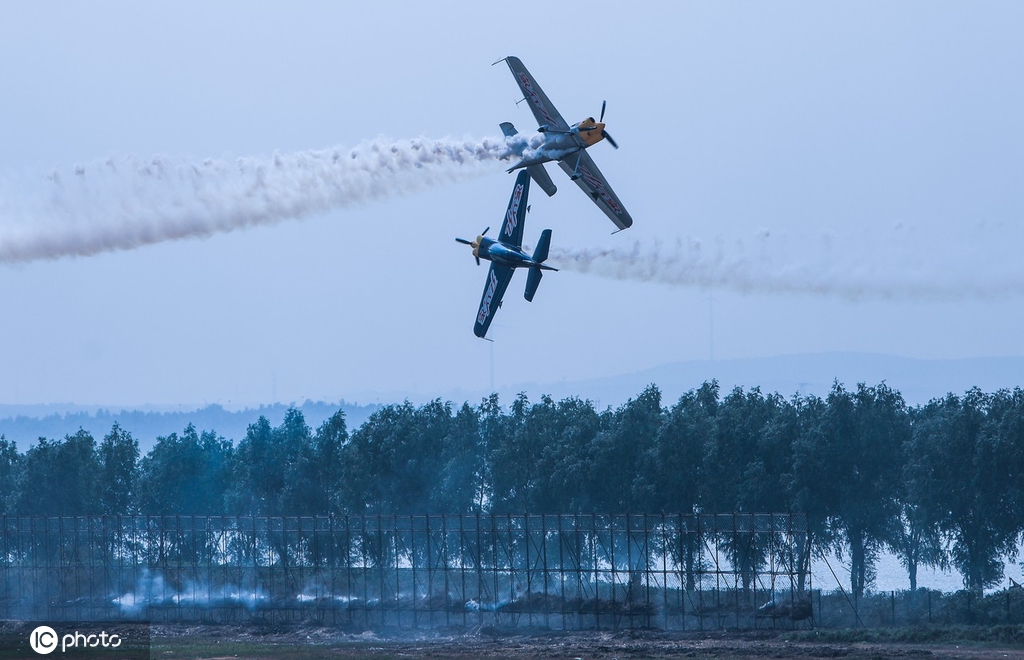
<point x="803" y="177"/>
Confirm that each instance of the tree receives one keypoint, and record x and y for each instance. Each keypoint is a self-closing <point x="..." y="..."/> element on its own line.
<point x="972" y="449"/>
<point x="672" y="469"/>
<point x="814" y="476"/>
<point x="914" y="539"/>
<point x="325" y="464"/>
<point x="460" y="488"/>
<point x="61" y="478"/>
<point x="10" y="474"/>
<point x="264" y="479"/>
<point x="566" y="458"/>
<point x="185" y="474"/>
<point x="862" y="436"/>
<point x="305" y="461"/>
<point x="747" y="467"/>
<point x="626" y="436"/>
<point x="914" y="536"/>
<point x="1006" y="431"/>
<point x="514" y="444"/>
<point x="118" y="457"/>
<point x="748" y="461"/>
<point x="393" y="464"/>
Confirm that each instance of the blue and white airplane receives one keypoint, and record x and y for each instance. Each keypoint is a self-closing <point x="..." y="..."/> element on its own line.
<point x="506" y="254"/>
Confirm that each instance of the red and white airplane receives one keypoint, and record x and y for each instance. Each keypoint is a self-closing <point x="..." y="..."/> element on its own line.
<point x="565" y="144"/>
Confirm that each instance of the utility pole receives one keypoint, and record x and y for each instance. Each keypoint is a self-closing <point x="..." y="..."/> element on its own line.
<point x="711" y="323"/>
<point x="492" y="368"/>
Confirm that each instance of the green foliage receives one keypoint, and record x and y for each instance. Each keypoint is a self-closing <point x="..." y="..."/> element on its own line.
<point x="274" y="469"/>
<point x="413" y="460"/>
<point x="118" y="458"/>
<point x="540" y="457"/>
<point x="626" y="437"/>
<point x="941" y="484"/>
<point x="323" y="465"/>
<point x="867" y="431"/>
<point x="185" y="474"/>
<point x="60" y="478"/>
<point x="968" y="478"/>
<point x="10" y="469"/>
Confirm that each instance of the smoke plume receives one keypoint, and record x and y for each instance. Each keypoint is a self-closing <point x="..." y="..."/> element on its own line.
<point x="977" y="261"/>
<point x="531" y="146"/>
<point x="124" y="203"/>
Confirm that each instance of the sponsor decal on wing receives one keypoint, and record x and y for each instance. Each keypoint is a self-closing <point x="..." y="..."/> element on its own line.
<point x="527" y="84"/>
<point x="485" y="307"/>
<point x="598" y="185"/>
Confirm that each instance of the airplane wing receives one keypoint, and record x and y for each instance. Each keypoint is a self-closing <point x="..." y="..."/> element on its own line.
<point x="592" y="182"/>
<point x="494" y="289"/>
<point x="515" y="214"/>
<point x="541" y="106"/>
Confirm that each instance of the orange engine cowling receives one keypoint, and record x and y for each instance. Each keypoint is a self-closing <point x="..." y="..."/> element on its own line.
<point x="591" y="131"/>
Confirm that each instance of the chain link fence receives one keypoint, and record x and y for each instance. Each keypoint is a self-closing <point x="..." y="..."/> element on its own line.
<point x="553" y="571"/>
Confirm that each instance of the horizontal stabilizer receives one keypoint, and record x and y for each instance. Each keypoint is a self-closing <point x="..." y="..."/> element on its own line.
<point x="507" y="128"/>
<point x="543" y="179"/>
<point x="532" y="282"/>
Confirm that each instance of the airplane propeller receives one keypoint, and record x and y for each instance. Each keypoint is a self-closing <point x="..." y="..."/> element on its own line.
<point x="474" y="244"/>
<point x="604" y="133"/>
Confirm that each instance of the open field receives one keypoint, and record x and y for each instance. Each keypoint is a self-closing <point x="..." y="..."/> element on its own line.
<point x="223" y="642"/>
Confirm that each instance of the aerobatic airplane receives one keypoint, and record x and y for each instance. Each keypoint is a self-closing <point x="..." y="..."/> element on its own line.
<point x="506" y="254"/>
<point x="566" y="144"/>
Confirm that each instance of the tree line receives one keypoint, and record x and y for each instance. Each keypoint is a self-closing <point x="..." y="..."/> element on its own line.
<point x="938" y="485"/>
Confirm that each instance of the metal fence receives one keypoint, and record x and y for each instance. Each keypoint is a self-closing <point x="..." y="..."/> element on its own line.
<point x="554" y="571"/>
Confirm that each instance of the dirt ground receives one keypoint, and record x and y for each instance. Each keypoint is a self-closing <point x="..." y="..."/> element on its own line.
<point x="213" y="643"/>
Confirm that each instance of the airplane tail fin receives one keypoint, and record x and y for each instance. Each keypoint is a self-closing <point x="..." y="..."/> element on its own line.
<point x="536" y="272"/>
<point x="540" y="254"/>
<point x="537" y="172"/>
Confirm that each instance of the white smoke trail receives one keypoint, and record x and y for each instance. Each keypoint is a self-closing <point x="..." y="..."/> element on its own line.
<point x="980" y="261"/>
<point x="530" y="146"/>
<point x="120" y="204"/>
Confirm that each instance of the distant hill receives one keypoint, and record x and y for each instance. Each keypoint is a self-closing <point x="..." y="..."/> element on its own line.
<point x="813" y="373"/>
<point x="26" y="424"/>
<point x="918" y="380"/>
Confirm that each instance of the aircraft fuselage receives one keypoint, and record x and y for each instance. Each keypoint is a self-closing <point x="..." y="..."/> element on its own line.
<point x="559" y="144"/>
<point x="506" y="255"/>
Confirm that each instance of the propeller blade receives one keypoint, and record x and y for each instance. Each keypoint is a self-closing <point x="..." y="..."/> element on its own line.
<point x="477" y="259"/>
<point x="463" y="241"/>
<point x="608" y="137"/>
<point x="485" y="231"/>
<point x="602" y="110"/>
